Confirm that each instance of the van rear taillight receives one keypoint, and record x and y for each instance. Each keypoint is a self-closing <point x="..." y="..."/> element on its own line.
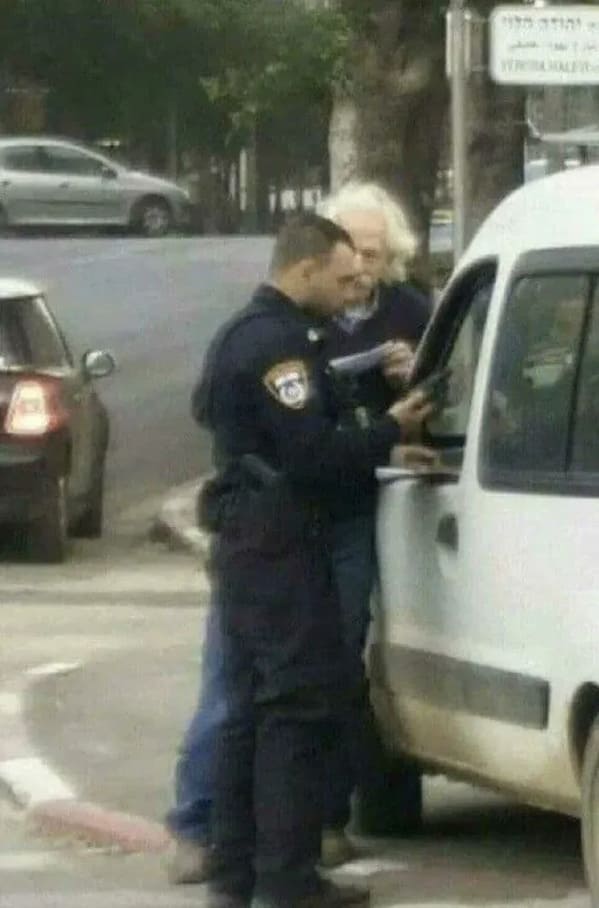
<point x="35" y="409"/>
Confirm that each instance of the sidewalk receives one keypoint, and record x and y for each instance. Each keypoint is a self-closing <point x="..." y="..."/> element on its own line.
<point x="176" y="523"/>
<point x="100" y="682"/>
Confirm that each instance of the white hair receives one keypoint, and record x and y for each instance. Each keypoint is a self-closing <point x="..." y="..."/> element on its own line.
<point x="401" y="241"/>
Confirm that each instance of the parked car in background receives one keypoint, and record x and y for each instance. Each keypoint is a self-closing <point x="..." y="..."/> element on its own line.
<point x="53" y="428"/>
<point x="49" y="182"/>
<point x="486" y="660"/>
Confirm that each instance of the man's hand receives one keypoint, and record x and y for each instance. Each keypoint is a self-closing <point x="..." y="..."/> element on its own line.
<point x="411" y="411"/>
<point x="415" y="457"/>
<point x="397" y="364"/>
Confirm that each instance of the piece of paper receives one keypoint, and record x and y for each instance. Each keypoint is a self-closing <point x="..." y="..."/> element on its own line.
<point x="360" y="362"/>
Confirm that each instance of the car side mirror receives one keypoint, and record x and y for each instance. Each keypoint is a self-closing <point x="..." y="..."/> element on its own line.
<point x="98" y="363"/>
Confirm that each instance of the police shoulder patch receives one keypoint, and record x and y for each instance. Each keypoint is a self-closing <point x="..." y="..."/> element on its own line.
<point x="288" y="383"/>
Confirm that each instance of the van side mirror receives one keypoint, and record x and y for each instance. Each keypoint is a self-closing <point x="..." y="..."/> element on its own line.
<point x="98" y="363"/>
<point x="108" y="173"/>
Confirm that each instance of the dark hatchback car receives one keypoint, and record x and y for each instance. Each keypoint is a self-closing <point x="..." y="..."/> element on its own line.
<point x="53" y="428"/>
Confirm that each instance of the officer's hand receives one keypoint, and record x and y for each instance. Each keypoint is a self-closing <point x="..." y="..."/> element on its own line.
<point x="397" y="364"/>
<point x="411" y="411"/>
<point x="415" y="457"/>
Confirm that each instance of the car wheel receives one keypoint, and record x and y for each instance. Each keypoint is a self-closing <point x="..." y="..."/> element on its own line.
<point x="91" y="522"/>
<point x="590" y="812"/>
<point x="48" y="534"/>
<point x="153" y="217"/>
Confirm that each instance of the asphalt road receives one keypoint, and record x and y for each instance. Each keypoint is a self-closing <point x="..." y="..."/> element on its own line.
<point x="155" y="305"/>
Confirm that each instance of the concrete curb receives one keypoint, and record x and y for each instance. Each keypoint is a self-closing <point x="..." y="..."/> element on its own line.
<point x="50" y="806"/>
<point x="176" y="523"/>
<point x="98" y="827"/>
<point x="48" y="802"/>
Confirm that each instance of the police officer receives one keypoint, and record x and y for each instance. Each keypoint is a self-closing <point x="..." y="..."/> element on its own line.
<point x="282" y="461"/>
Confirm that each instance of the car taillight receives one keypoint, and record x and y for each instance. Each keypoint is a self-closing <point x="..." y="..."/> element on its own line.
<point x="35" y="409"/>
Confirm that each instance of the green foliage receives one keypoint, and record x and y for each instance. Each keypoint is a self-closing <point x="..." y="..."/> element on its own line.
<point x="120" y="67"/>
<point x="288" y="62"/>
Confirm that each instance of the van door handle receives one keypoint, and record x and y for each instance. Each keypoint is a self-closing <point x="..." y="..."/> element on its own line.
<point x="448" y="533"/>
<point x="64" y="185"/>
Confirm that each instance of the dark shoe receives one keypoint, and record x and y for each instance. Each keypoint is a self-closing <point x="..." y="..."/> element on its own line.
<point x="189" y="862"/>
<point x="328" y="895"/>
<point x="336" y="849"/>
<point x="222" y="900"/>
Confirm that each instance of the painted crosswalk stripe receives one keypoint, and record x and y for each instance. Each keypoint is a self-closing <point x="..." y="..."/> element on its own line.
<point x="19" y="861"/>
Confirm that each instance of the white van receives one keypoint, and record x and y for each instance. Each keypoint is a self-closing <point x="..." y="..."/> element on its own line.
<point x="485" y="663"/>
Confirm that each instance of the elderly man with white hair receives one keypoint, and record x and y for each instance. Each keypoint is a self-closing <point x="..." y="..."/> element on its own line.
<point x="387" y="310"/>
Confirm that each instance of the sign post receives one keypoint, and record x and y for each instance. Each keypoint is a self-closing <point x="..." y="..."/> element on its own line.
<point x="457" y="65"/>
<point x="550" y="45"/>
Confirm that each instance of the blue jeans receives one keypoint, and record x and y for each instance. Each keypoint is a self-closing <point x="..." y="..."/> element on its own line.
<point x="354" y="567"/>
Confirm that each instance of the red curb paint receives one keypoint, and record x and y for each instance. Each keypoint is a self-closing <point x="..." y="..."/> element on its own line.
<point x="99" y="826"/>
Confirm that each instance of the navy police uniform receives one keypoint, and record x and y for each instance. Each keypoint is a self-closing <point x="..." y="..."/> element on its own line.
<point x="282" y="463"/>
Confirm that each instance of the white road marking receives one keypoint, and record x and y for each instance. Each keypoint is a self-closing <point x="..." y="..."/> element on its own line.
<point x="52" y="668"/>
<point x="10" y="704"/>
<point x="32" y="782"/>
<point x="18" y="861"/>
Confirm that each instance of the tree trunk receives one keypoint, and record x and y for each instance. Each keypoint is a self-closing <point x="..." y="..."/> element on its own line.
<point x="495" y="147"/>
<point x="401" y="94"/>
<point x="342" y="141"/>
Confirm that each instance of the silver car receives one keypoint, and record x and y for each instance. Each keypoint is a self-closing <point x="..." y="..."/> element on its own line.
<point x="50" y="182"/>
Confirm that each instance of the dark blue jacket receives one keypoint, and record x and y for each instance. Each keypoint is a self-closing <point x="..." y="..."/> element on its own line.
<point x="402" y="314"/>
<point x="264" y="391"/>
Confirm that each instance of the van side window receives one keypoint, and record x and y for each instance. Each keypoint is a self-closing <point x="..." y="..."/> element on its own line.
<point x="456" y="346"/>
<point x="585" y="442"/>
<point x="533" y="380"/>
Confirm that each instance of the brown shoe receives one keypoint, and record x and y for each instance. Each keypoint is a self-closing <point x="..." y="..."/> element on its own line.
<point x="189" y="862"/>
<point x="336" y="849"/>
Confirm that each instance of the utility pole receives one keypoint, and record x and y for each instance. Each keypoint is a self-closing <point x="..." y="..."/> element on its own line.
<point x="172" y="138"/>
<point x="457" y="40"/>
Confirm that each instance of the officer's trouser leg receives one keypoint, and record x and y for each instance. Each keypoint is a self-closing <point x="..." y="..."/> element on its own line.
<point x="288" y="794"/>
<point x="282" y="651"/>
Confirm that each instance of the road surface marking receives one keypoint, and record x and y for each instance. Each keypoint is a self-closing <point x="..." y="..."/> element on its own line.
<point x="17" y="861"/>
<point x="10" y="704"/>
<point x="53" y="668"/>
<point x="33" y="782"/>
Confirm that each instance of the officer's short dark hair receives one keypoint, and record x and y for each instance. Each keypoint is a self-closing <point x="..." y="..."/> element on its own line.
<point x="307" y="236"/>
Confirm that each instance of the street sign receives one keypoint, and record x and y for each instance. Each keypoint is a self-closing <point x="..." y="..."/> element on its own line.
<point x="550" y="45"/>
